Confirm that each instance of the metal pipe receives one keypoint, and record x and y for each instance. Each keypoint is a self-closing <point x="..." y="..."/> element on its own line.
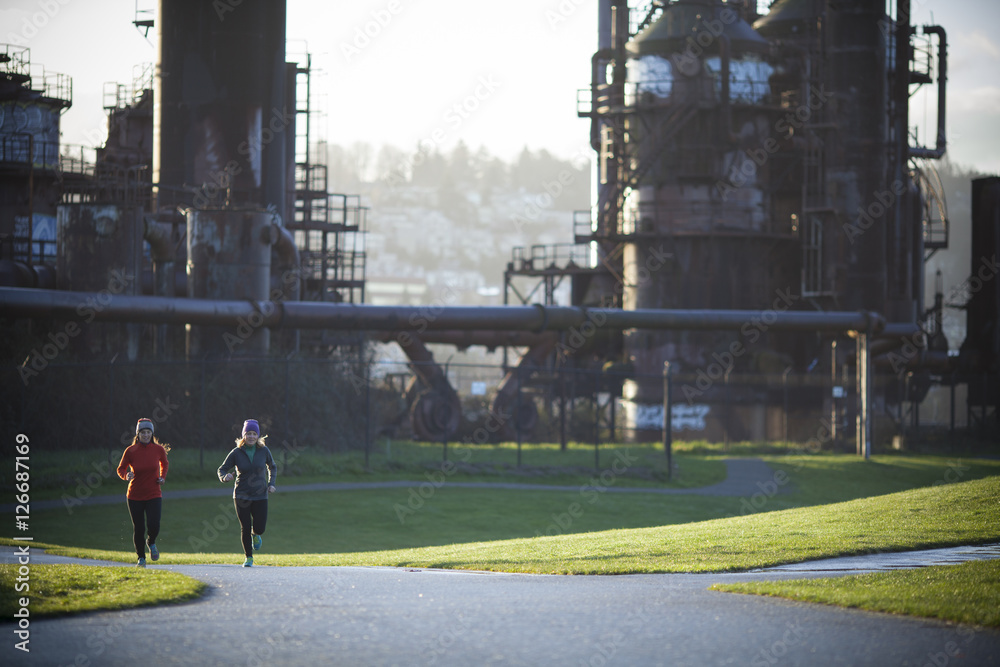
<point x="159" y="236"/>
<point x="59" y="304"/>
<point x="942" y="139"/>
<point x="465" y="339"/>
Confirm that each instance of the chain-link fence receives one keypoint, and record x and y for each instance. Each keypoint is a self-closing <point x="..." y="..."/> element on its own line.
<point x="350" y="404"/>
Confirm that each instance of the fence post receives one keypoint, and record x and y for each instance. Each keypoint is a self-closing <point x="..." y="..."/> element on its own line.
<point x="611" y="417"/>
<point x="728" y="416"/>
<point x="288" y="392"/>
<point x="951" y="406"/>
<point x="834" y="417"/>
<point x="517" y="412"/>
<point x="668" y="436"/>
<point x="368" y="409"/>
<point x="862" y="378"/>
<point x="111" y="401"/>
<point x="597" y="418"/>
<point x="561" y="377"/>
<point x="784" y="418"/>
<point x="201" y="426"/>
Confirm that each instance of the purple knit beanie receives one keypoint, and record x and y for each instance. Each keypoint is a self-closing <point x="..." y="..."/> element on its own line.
<point x="251" y="425"/>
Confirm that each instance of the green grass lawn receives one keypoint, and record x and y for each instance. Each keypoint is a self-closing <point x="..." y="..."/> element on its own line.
<point x="831" y="505"/>
<point x="57" y="590"/>
<point x="81" y="474"/>
<point x="966" y="593"/>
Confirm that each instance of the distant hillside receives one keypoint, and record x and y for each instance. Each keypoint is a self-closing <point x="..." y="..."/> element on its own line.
<point x="452" y="219"/>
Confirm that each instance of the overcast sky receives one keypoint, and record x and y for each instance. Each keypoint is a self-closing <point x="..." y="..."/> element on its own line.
<point x="503" y="75"/>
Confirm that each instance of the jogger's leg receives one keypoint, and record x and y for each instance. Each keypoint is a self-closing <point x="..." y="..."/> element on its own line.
<point x="243" y="514"/>
<point x="154" y="509"/>
<point x="136" y="513"/>
<point x="258" y="511"/>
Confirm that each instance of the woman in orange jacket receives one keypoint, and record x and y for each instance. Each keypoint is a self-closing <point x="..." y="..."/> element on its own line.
<point x="144" y="466"/>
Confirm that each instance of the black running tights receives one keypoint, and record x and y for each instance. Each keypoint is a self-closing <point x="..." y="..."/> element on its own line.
<point x="145" y="519"/>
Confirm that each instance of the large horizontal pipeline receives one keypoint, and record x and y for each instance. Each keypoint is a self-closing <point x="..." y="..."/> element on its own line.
<point x="106" y="307"/>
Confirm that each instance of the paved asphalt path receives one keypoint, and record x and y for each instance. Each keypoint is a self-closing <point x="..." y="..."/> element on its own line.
<point x="404" y="616"/>
<point x="389" y="616"/>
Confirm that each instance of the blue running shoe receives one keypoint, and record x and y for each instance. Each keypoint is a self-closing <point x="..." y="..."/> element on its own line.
<point x="154" y="553"/>
<point x="248" y="562"/>
<point x="257" y="541"/>
<point x="141" y="563"/>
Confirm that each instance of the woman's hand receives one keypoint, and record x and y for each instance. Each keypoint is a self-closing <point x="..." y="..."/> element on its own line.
<point x="129" y="476"/>
<point x="160" y="480"/>
<point x="271" y="489"/>
<point x="228" y="477"/>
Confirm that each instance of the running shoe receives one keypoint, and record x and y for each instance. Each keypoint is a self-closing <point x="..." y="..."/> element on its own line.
<point x="257" y="541"/>
<point x="248" y="562"/>
<point x="154" y="553"/>
<point x="141" y="563"/>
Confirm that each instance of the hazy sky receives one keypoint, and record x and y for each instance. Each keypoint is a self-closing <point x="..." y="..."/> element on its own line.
<point x="503" y="75"/>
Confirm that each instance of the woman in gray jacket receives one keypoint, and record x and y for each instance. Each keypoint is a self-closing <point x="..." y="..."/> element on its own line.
<point x="256" y="475"/>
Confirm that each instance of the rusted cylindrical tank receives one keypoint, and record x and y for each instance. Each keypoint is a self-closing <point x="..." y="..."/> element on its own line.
<point x="842" y="51"/>
<point x="221" y="118"/>
<point x="697" y="219"/>
<point x="100" y="250"/>
<point x="229" y="257"/>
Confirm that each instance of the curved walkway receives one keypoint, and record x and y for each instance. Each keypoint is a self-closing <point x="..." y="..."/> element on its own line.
<point x="414" y="616"/>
